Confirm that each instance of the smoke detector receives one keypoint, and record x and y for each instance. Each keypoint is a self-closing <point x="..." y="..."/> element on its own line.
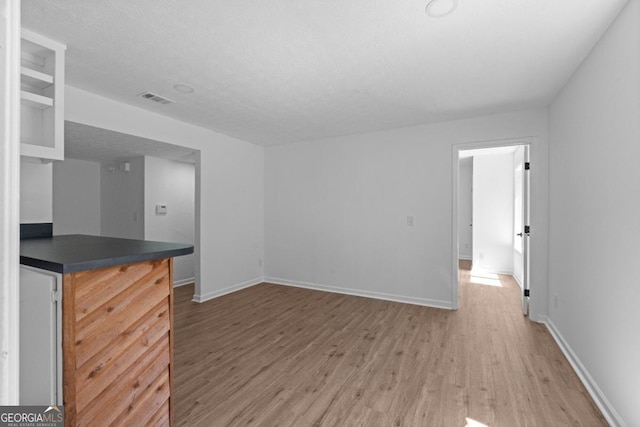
<point x="183" y="88"/>
<point x="156" y="98"/>
<point x="441" y="8"/>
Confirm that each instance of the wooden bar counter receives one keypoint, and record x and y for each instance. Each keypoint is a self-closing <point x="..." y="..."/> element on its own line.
<point x="117" y="326"/>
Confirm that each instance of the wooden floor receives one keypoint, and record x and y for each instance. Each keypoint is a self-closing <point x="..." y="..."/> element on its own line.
<point x="274" y="355"/>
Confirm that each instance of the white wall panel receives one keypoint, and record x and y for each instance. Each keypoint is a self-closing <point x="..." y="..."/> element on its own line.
<point x="594" y="227"/>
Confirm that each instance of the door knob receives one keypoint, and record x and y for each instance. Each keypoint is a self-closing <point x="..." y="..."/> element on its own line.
<point x="519" y="234"/>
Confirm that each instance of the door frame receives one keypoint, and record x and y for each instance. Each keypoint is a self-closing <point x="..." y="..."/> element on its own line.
<point x="455" y="163"/>
<point x="9" y="201"/>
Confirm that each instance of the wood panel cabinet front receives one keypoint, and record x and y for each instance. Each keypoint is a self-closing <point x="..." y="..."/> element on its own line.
<point x="118" y="345"/>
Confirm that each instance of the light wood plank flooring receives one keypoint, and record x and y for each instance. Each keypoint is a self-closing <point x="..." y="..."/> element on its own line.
<point x="280" y="356"/>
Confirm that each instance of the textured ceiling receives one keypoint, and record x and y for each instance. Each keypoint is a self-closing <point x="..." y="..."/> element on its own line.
<point x="99" y="145"/>
<point x="282" y="71"/>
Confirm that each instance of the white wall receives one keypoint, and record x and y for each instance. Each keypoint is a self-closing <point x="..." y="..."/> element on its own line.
<point x="172" y="184"/>
<point x="229" y="176"/>
<point x="122" y="199"/>
<point x="465" y="218"/>
<point x="594" y="207"/>
<point x="76" y="197"/>
<point x="493" y="212"/>
<point x="336" y="209"/>
<point x="36" y="191"/>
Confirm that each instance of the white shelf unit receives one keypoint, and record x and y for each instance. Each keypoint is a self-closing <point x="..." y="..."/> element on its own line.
<point x="42" y="97"/>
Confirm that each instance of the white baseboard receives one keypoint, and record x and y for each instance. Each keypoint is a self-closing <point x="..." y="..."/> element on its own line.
<point x="607" y="409"/>
<point x="182" y="282"/>
<point x="360" y="293"/>
<point x="491" y="271"/>
<point x="517" y="279"/>
<point x="347" y="291"/>
<point x="465" y="257"/>
<point x="233" y="288"/>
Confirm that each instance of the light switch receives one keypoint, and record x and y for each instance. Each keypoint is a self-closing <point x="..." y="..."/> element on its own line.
<point x="410" y="221"/>
<point x="161" y="209"/>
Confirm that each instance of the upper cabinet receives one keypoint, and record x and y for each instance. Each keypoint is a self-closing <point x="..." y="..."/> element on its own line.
<point x="42" y="97"/>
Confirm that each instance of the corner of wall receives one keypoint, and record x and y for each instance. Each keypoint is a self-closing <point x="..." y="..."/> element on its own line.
<point x="605" y="406"/>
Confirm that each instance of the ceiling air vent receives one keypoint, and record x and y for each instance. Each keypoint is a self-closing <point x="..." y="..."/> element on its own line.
<point x="156" y="98"/>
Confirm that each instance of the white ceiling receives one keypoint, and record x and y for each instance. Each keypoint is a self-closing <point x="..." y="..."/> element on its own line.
<point x="105" y="146"/>
<point x="283" y="71"/>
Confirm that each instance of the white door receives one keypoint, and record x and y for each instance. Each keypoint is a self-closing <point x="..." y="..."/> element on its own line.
<point x="523" y="233"/>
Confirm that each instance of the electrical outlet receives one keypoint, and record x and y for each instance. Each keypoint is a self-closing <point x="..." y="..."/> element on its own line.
<point x="410" y="221"/>
<point x="259" y="262"/>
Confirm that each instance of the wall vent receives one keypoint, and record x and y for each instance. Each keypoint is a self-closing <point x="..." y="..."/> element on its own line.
<point x="156" y="98"/>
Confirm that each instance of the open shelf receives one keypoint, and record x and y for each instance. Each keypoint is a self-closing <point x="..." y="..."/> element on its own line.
<point x="42" y="97"/>
<point x="34" y="78"/>
<point x="34" y="100"/>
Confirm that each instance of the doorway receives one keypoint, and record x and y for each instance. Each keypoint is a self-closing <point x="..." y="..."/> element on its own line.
<point x="491" y="214"/>
<point x="119" y="185"/>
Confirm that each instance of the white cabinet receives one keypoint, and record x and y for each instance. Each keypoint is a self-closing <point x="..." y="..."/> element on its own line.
<point x="40" y="337"/>
<point x="42" y="97"/>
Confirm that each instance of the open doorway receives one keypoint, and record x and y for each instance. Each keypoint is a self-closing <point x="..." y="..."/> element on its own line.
<point x="118" y="185"/>
<point x="491" y="215"/>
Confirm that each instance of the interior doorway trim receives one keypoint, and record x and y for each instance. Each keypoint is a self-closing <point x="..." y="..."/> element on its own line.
<point x="455" y="167"/>
<point x="9" y="201"/>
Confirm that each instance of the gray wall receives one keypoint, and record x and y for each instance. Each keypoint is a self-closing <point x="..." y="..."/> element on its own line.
<point x="76" y="201"/>
<point x="36" y="191"/>
<point x="122" y="200"/>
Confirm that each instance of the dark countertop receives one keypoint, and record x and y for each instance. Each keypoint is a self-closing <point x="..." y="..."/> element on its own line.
<point x="78" y="252"/>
